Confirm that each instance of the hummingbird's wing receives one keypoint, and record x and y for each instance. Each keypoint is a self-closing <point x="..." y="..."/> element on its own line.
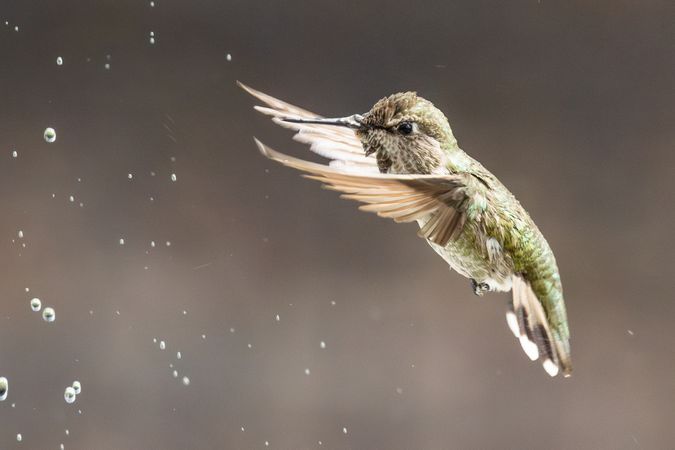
<point x="338" y="144"/>
<point x="404" y="198"/>
<point x="537" y="333"/>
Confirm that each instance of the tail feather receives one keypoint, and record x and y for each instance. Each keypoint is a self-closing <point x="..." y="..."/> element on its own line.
<point x="527" y="320"/>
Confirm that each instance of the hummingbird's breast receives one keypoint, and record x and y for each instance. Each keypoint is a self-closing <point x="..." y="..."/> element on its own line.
<point x="477" y="257"/>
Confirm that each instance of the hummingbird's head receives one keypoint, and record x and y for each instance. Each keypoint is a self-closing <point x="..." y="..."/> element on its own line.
<point x="407" y="133"/>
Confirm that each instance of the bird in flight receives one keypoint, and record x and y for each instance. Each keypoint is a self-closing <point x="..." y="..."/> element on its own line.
<point x="401" y="160"/>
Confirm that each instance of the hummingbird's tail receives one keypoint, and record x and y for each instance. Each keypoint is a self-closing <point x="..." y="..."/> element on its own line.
<point x="539" y="334"/>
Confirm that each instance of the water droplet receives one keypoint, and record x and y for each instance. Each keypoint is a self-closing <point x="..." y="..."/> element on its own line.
<point x="62" y="447"/>
<point x="173" y="177"/>
<point x="175" y="374"/>
<point x="277" y="318"/>
<point x="14" y="154"/>
<point x="168" y="243"/>
<point x="228" y="57"/>
<point x="162" y="345"/>
<point x="107" y="66"/>
<point x="36" y="304"/>
<point x="48" y="314"/>
<point x="59" y="61"/>
<point x="16" y="28"/>
<point x="50" y="135"/>
<point x="178" y="355"/>
<point x="20" y="234"/>
<point x="267" y="443"/>
<point x="71" y="198"/>
<point x="4" y="388"/>
<point x="344" y="430"/>
<point x="186" y="381"/>
<point x="322" y="344"/>
<point x="152" y="4"/>
<point x="69" y="395"/>
<point x="130" y="176"/>
<point x="121" y="241"/>
<point x="19" y="438"/>
<point x="307" y="372"/>
<point x="77" y="386"/>
<point x="203" y="336"/>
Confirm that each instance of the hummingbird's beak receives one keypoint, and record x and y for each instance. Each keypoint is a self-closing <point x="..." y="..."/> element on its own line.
<point x="354" y="121"/>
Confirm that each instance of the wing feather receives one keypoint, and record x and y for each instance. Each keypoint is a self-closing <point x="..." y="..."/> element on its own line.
<point x="403" y="198"/>
<point x="338" y="144"/>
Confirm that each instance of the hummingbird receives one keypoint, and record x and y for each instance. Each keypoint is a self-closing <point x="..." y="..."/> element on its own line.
<point x="402" y="161"/>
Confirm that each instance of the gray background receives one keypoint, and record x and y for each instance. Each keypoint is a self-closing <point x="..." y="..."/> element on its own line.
<point x="570" y="104"/>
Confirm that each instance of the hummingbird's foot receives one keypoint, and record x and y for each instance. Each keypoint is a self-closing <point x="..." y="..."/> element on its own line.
<point x="479" y="288"/>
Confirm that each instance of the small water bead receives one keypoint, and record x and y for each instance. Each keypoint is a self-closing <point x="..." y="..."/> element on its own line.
<point x="307" y="372"/>
<point x="173" y="177"/>
<point x="277" y="318"/>
<point x="175" y="374"/>
<point x="16" y="28"/>
<point x="20" y="234"/>
<point x="71" y="198"/>
<point x="4" y="388"/>
<point x="62" y="447"/>
<point x="228" y="57"/>
<point x="50" y="135"/>
<point x="344" y="430"/>
<point x="121" y="241"/>
<point x="59" y="61"/>
<point x="152" y="4"/>
<point x="152" y="244"/>
<point x="168" y="243"/>
<point x="19" y="438"/>
<point x="36" y="304"/>
<point x="186" y="381"/>
<point x="77" y="386"/>
<point x="14" y="154"/>
<point x="48" y="314"/>
<point x="69" y="395"/>
<point x="162" y="345"/>
<point x="130" y="176"/>
<point x="178" y="355"/>
<point x="107" y="66"/>
<point x="322" y="344"/>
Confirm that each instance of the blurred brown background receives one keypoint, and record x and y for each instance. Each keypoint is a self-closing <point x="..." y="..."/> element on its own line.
<point x="571" y="104"/>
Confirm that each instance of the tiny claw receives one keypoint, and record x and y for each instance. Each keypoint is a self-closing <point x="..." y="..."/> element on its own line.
<point x="369" y="151"/>
<point x="479" y="288"/>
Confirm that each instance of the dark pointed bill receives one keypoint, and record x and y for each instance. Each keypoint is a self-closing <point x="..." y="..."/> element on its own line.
<point x="354" y="121"/>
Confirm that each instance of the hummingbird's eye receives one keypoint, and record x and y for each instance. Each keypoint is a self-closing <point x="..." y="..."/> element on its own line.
<point x="405" y="127"/>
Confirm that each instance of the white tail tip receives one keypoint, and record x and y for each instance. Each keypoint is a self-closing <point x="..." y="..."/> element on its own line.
<point x="550" y="367"/>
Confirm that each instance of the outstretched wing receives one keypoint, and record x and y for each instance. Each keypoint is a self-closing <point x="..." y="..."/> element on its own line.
<point x="338" y="144"/>
<point x="404" y="198"/>
<point x="538" y="334"/>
